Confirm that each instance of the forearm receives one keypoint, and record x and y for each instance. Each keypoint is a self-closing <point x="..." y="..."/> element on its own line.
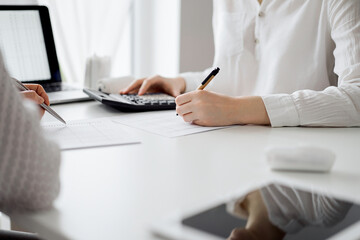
<point x="251" y="110"/>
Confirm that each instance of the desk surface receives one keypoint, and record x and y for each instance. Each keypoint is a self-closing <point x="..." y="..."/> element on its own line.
<point x="118" y="192"/>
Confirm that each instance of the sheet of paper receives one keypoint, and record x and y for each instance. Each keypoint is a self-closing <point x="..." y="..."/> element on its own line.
<point x="164" y="123"/>
<point x="88" y="133"/>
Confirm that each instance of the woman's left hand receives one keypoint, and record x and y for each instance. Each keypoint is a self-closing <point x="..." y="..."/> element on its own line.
<point x="212" y="109"/>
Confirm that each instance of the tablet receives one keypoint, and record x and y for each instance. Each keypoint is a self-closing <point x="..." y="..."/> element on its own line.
<point x="216" y="223"/>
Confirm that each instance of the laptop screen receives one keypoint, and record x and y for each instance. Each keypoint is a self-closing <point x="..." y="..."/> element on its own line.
<point x="23" y="46"/>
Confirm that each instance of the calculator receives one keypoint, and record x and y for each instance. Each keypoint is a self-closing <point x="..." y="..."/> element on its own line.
<point x="134" y="102"/>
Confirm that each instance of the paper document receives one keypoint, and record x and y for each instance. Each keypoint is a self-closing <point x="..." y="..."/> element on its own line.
<point x="88" y="133"/>
<point x="164" y="123"/>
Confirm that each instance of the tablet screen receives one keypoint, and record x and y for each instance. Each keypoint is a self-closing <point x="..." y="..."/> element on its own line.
<point x="216" y="221"/>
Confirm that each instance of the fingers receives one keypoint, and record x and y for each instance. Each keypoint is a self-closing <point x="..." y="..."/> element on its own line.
<point x="133" y="87"/>
<point x="175" y="93"/>
<point x="206" y="108"/>
<point x="32" y="95"/>
<point x="190" y="118"/>
<point x="183" y="109"/>
<point x="185" y="98"/>
<point x="172" y="86"/>
<point x="187" y="114"/>
<point x="240" y="234"/>
<point x="39" y="90"/>
<point x="147" y="83"/>
<point x="43" y="94"/>
<point x="139" y="86"/>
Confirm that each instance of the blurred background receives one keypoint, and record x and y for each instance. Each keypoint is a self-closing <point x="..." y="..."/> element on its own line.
<point x="131" y="37"/>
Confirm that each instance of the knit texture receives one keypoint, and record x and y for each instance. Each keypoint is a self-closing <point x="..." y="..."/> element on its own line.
<point x="29" y="164"/>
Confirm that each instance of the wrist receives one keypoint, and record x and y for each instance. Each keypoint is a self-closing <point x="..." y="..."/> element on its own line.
<point x="251" y="110"/>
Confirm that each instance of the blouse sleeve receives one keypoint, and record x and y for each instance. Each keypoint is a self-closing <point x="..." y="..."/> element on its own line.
<point x="292" y="210"/>
<point x="29" y="164"/>
<point x="334" y="106"/>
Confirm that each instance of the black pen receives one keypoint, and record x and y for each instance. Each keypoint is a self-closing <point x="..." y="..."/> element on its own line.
<point x="208" y="79"/>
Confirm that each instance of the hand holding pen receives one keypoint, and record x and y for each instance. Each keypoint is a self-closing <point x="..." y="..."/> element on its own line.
<point x="208" y="108"/>
<point x="206" y="81"/>
<point x="37" y="93"/>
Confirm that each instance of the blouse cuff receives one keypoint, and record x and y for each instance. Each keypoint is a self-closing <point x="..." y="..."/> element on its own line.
<point x="281" y="110"/>
<point x="275" y="211"/>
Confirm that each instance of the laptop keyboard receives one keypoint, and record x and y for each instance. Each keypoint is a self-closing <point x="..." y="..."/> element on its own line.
<point x="56" y="87"/>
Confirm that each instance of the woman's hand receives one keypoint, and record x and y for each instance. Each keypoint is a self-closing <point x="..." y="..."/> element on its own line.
<point x="36" y="94"/>
<point x="212" y="109"/>
<point x="207" y="108"/>
<point x="171" y="86"/>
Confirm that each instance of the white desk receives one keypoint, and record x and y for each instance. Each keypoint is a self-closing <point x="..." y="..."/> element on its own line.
<point x="117" y="192"/>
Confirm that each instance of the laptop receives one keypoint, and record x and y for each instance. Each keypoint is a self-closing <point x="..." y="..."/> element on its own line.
<point x="28" y="48"/>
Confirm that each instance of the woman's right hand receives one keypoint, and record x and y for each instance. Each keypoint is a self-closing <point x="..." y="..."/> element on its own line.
<point x="171" y="86"/>
<point x="37" y="94"/>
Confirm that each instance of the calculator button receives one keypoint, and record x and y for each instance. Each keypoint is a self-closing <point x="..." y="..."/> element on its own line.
<point x="120" y="98"/>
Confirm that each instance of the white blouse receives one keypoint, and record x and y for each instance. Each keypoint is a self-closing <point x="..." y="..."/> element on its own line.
<point x="301" y="56"/>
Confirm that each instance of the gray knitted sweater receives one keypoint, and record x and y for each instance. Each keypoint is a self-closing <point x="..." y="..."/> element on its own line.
<point x="29" y="164"/>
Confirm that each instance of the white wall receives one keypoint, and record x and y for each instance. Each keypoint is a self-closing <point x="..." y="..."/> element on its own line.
<point x="156" y="37"/>
<point x="172" y="36"/>
<point x="196" y="35"/>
